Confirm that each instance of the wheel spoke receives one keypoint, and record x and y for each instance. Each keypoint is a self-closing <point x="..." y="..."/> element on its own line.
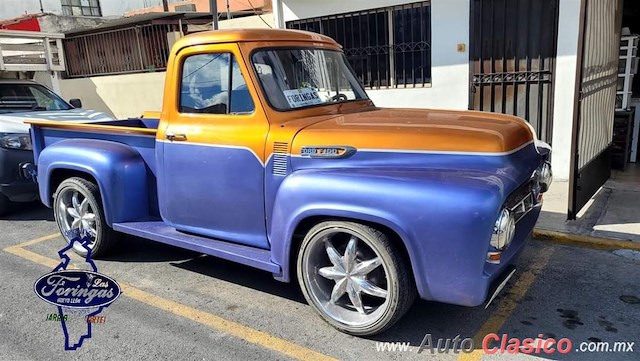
<point x="331" y="273"/>
<point x="75" y="202"/>
<point x="350" y="253"/>
<point x="89" y="217"/>
<point x="73" y="213"/>
<point x="355" y="298"/>
<point x="76" y="224"/>
<point x="84" y="206"/>
<point x="363" y="268"/>
<point x="338" y="290"/>
<point x="333" y="254"/>
<point x="371" y="289"/>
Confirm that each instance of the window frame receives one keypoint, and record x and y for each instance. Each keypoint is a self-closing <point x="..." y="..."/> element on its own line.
<point x="67" y="7"/>
<point x="228" y="112"/>
<point x="392" y="43"/>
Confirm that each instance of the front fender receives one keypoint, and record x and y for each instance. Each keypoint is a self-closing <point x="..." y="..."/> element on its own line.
<point x="444" y="217"/>
<point x="118" y="169"/>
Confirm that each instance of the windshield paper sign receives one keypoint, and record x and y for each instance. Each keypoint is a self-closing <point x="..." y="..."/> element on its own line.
<point x="79" y="294"/>
<point x="298" y="98"/>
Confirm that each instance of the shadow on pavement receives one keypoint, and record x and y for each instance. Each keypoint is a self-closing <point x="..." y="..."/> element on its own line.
<point x="242" y="275"/>
<point x="31" y="211"/>
<point x="134" y="249"/>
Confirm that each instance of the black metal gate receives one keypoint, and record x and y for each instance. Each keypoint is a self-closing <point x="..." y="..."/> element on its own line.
<point x="513" y="51"/>
<point x="594" y="110"/>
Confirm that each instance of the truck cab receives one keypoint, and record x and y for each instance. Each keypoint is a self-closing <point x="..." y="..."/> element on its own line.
<point x="268" y="152"/>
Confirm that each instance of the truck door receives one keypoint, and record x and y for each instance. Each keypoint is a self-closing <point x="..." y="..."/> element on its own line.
<point x="211" y="148"/>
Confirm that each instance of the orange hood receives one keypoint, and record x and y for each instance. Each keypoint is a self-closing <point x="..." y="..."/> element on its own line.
<point x="419" y="130"/>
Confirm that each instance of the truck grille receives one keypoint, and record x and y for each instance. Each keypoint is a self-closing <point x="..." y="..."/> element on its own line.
<point x="521" y="201"/>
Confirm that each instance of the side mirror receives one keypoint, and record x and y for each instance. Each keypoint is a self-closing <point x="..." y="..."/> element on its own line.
<point x="76" y="103"/>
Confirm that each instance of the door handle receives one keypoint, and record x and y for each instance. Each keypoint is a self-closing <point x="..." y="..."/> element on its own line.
<point x="176" y="137"/>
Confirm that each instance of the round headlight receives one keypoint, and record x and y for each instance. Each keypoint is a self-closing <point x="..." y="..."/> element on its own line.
<point x="544" y="176"/>
<point x="504" y="230"/>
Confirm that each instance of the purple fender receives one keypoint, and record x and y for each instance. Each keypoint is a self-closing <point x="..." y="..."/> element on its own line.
<point x="118" y="169"/>
<point x="443" y="217"/>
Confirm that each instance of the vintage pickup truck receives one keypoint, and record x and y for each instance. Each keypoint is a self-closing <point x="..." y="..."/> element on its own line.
<point x="268" y="152"/>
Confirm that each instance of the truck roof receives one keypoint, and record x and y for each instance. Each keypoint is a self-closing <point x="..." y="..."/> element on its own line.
<point x="249" y="35"/>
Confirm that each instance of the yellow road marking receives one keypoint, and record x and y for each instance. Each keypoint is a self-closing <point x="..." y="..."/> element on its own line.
<point x="508" y="304"/>
<point x="37" y="240"/>
<point x="238" y="330"/>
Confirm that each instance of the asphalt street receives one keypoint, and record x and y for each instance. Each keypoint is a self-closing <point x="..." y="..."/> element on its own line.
<point x="181" y="305"/>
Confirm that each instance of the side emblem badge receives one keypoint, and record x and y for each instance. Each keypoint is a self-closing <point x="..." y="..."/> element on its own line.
<point x="327" y="152"/>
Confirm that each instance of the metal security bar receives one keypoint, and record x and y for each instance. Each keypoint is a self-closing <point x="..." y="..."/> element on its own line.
<point x="121" y="51"/>
<point x="513" y="52"/>
<point x="387" y="47"/>
<point x="31" y="51"/>
<point x="596" y="102"/>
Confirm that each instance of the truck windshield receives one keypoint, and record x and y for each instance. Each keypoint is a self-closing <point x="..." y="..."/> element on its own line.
<point x="304" y="77"/>
<point x="28" y="98"/>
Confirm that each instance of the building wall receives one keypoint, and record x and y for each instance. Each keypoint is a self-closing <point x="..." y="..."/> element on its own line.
<point x="565" y="82"/>
<point x="450" y="69"/>
<point x="122" y="96"/>
<point x="450" y="84"/>
<point x="129" y="95"/>
<point x="14" y="8"/>
<point x="203" y="6"/>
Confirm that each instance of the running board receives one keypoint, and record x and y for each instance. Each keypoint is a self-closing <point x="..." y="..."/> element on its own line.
<point x="161" y="232"/>
<point x="499" y="285"/>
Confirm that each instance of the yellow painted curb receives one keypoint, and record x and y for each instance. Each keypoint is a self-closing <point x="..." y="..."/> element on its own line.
<point x="584" y="241"/>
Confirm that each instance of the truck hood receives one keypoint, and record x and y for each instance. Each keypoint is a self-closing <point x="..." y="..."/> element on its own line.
<point x="414" y="130"/>
<point x="14" y="122"/>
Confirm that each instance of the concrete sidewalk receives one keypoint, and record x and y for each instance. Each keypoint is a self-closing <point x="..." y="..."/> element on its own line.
<point x="612" y="214"/>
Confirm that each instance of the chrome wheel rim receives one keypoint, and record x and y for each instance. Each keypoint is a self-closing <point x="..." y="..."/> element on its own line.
<point x="76" y="213"/>
<point x="346" y="278"/>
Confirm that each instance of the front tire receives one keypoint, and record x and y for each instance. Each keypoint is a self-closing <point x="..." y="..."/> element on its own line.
<point x="354" y="278"/>
<point x="77" y="206"/>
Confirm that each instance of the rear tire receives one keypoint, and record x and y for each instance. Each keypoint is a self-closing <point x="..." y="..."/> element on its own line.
<point x="78" y="206"/>
<point x="354" y="277"/>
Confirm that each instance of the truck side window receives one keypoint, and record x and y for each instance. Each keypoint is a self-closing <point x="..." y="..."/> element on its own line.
<point x="206" y="80"/>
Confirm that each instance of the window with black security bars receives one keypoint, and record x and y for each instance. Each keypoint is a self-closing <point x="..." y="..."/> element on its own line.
<point x="387" y="47"/>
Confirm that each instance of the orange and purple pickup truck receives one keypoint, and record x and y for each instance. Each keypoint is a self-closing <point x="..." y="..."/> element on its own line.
<point x="268" y="152"/>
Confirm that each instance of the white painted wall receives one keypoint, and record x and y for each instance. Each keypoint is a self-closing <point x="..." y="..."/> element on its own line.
<point x="450" y="69"/>
<point x="14" y="8"/>
<point x="122" y="96"/>
<point x="564" y="92"/>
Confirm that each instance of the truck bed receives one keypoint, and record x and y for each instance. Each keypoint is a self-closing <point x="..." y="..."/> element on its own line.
<point x="139" y="133"/>
<point x="146" y="126"/>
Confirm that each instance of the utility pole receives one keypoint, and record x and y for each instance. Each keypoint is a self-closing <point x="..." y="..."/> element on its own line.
<point x="165" y="6"/>
<point x="213" y="7"/>
<point x="228" y="11"/>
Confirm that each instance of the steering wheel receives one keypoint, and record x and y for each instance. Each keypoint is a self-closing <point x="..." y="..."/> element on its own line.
<point x="339" y="97"/>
